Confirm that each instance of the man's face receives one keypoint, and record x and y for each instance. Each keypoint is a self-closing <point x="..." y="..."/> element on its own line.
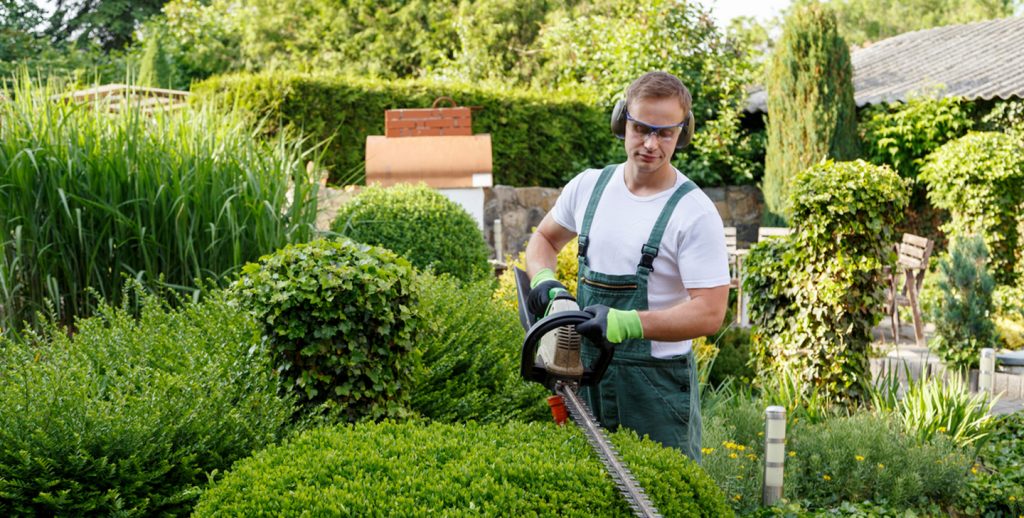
<point x="648" y="150"/>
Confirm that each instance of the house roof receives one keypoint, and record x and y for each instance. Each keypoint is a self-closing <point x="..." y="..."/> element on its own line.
<point x="981" y="60"/>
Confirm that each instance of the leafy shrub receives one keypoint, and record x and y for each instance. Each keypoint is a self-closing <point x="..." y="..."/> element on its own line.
<point x="996" y="484"/>
<point x="88" y="197"/>
<point x="733" y="360"/>
<point x="963" y="325"/>
<point x="131" y="416"/>
<point x="816" y="294"/>
<point x="471" y="347"/>
<point x="344" y="110"/>
<point x="979" y="179"/>
<point x="339" y="322"/>
<point x="866" y="457"/>
<point x="1009" y="318"/>
<point x="566" y="267"/>
<point x="811" y="114"/>
<point x="430" y="230"/>
<point x="455" y="470"/>
<point x="733" y="452"/>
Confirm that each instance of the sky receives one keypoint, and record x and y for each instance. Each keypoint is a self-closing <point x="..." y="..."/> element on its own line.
<point x="725" y="10"/>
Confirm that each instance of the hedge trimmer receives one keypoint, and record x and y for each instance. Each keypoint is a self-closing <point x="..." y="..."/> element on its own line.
<point x="551" y="356"/>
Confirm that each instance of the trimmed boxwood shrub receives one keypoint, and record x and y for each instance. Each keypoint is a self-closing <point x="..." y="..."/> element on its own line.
<point x="419" y="223"/>
<point x="514" y="469"/>
<point x="979" y="179"/>
<point x="339" y="324"/>
<point x="471" y="347"/>
<point x="540" y="138"/>
<point x="132" y="415"/>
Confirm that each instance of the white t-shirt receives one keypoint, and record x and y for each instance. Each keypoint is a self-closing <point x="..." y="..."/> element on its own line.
<point x="691" y="254"/>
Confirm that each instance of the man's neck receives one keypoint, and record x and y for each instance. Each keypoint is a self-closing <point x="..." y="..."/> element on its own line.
<point x="648" y="183"/>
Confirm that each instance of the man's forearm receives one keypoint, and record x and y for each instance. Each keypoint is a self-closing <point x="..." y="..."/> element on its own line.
<point x="702" y="315"/>
<point x="540" y="254"/>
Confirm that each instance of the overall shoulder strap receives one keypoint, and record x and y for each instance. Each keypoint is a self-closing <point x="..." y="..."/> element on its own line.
<point x="595" y="198"/>
<point x="650" y="249"/>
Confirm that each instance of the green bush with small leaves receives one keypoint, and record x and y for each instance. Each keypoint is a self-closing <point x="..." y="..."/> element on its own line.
<point x="514" y="469"/>
<point x="733" y="360"/>
<point x="471" y="347"/>
<point x="135" y="412"/>
<point x="418" y="222"/>
<point x="816" y="294"/>
<point x="979" y="179"/>
<point x="339" y="323"/>
<point x="963" y="316"/>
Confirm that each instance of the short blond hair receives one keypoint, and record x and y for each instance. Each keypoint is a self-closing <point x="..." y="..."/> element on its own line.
<point x="659" y="85"/>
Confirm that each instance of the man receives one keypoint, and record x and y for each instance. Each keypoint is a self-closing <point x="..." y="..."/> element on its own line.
<point x="653" y="269"/>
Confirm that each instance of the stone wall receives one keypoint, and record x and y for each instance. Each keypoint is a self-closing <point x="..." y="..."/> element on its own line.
<point x="521" y="209"/>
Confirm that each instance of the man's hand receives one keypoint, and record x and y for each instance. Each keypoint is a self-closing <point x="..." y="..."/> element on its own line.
<point x="611" y="324"/>
<point x="543" y="289"/>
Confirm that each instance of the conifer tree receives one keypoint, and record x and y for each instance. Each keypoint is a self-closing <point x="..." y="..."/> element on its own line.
<point x="811" y="113"/>
<point x="155" y="69"/>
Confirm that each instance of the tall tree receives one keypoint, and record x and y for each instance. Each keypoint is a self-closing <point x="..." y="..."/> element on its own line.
<point x="864" y="21"/>
<point x="19" y="20"/>
<point x="109" y="23"/>
<point x="811" y="113"/>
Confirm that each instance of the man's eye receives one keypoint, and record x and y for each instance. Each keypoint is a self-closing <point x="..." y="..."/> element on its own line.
<point x="667" y="133"/>
<point x="641" y="129"/>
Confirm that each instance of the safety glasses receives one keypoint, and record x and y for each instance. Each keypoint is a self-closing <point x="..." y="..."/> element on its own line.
<point x="663" y="133"/>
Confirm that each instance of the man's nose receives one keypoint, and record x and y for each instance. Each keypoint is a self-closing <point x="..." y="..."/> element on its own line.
<point x="650" y="140"/>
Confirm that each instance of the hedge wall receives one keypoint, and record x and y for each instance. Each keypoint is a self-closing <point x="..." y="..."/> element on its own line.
<point x="537" y="139"/>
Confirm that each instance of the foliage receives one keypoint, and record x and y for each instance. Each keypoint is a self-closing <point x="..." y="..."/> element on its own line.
<point x="202" y="38"/>
<point x="733" y="451"/>
<point x="418" y="222"/>
<point x="733" y="360"/>
<point x="455" y="470"/>
<point x="344" y="110"/>
<point x="88" y="197"/>
<point x="1009" y="315"/>
<point x="862" y="22"/>
<point x="156" y="69"/>
<point x="866" y="457"/>
<point x="814" y="295"/>
<point x="935" y="406"/>
<point x="979" y="179"/>
<point x="963" y="325"/>
<point x="901" y="135"/>
<point x="109" y="23"/>
<point x="133" y="415"/>
<point x="996" y="484"/>
<point x="339" y="321"/>
<point x="566" y="272"/>
<point x="470" y="350"/>
<point x="811" y="114"/>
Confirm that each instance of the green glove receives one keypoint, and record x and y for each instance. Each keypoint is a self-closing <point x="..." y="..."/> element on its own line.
<point x="543" y="289"/>
<point x="612" y="325"/>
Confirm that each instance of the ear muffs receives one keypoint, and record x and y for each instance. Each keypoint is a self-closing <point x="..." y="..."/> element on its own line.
<point x="618" y="125"/>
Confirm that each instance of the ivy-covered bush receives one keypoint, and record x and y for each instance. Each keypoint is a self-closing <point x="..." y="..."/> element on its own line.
<point x="418" y="222"/>
<point x="572" y="137"/>
<point x="979" y="179"/>
<point x="996" y="484"/>
<point x="339" y="322"/>
<point x="455" y="470"/>
<point x="815" y="295"/>
<point x="963" y="316"/>
<point x="471" y="345"/>
<point x="133" y="415"/>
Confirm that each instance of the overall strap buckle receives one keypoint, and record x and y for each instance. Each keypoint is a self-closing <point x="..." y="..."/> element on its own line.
<point x="584" y="243"/>
<point x="647" y="255"/>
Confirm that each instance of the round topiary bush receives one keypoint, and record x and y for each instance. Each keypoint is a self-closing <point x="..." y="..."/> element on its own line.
<point x="338" y="320"/>
<point x="516" y="469"/>
<point x="418" y="222"/>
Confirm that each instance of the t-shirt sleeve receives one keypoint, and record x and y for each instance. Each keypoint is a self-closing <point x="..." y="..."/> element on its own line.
<point x="703" y="259"/>
<point x="564" y="211"/>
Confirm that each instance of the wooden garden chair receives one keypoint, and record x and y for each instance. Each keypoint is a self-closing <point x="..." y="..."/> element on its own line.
<point x="905" y="283"/>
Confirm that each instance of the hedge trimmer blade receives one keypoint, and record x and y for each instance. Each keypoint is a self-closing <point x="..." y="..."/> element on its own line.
<point x="609" y="456"/>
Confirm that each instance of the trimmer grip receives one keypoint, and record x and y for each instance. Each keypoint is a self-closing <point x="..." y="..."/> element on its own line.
<point x="528" y="368"/>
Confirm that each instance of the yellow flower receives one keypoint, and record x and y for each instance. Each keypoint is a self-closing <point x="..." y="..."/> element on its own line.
<point x="760" y="434"/>
<point x="860" y="458"/>
<point x="737" y="497"/>
<point x="751" y="456"/>
<point x="740" y="477"/>
<point x="733" y="456"/>
<point x="707" y="451"/>
<point x="881" y="466"/>
<point x="826" y="478"/>
<point x="741" y="447"/>
<point x="974" y="470"/>
<point x="942" y="429"/>
<point x="792" y="453"/>
<point x="1013" y="498"/>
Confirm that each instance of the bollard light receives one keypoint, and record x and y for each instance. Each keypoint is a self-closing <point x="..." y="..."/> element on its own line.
<point x="986" y="370"/>
<point x="774" y="453"/>
<point x="499" y="241"/>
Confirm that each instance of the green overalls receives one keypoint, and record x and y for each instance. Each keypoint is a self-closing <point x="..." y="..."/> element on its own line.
<point x="652" y="396"/>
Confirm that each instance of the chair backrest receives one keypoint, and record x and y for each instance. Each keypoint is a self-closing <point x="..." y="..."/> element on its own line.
<point x="770" y="232"/>
<point x="914" y="251"/>
<point x="730" y="240"/>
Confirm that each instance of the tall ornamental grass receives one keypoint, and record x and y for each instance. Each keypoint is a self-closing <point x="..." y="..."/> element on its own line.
<point x="88" y="197"/>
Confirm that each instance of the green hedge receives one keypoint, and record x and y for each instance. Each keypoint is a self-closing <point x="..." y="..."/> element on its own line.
<point x="455" y="470"/>
<point x="133" y="415"/>
<point x="471" y="356"/>
<point x="538" y="138"/>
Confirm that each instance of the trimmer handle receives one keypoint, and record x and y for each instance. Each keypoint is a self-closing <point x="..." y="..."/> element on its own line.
<point x="531" y="371"/>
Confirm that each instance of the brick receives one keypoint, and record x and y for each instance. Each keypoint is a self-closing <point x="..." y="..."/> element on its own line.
<point x="427" y="132"/>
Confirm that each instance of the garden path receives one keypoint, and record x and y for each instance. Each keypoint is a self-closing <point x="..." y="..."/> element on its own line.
<point x="904" y="356"/>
